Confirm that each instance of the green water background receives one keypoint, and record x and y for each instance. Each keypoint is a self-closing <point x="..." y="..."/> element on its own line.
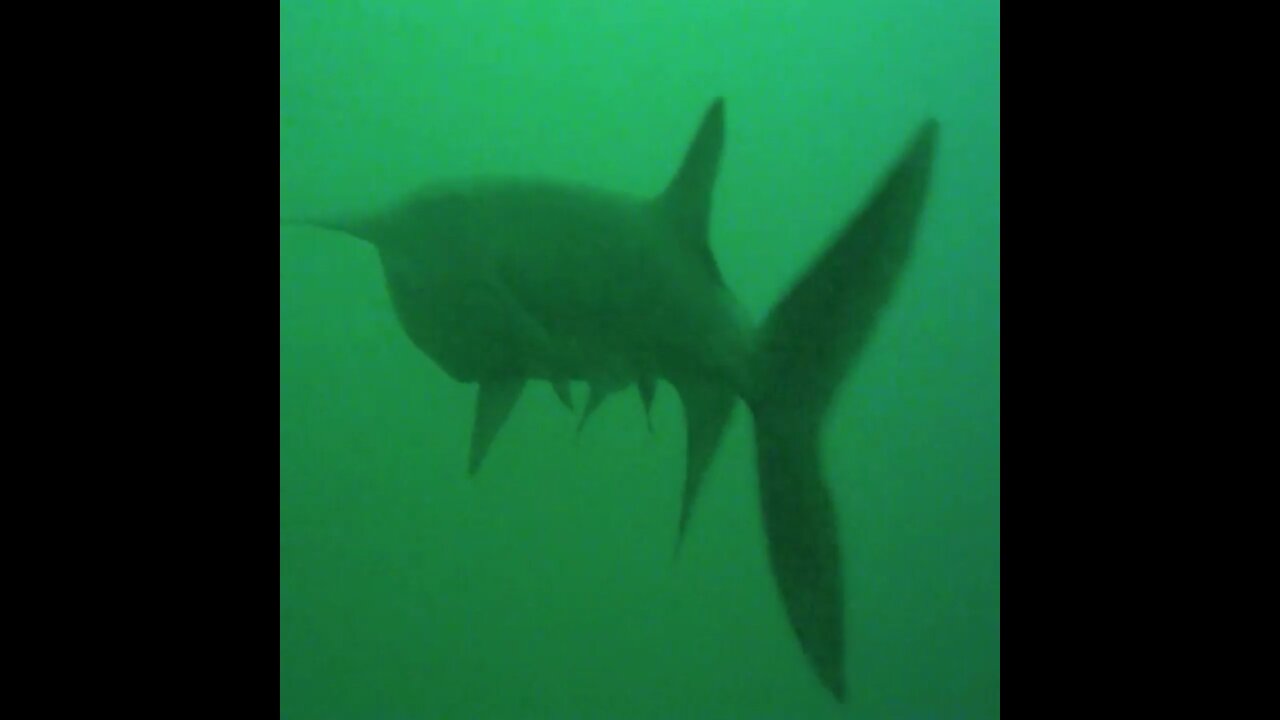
<point x="545" y="588"/>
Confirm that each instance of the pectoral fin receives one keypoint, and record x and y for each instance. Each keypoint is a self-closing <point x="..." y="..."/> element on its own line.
<point x="494" y="402"/>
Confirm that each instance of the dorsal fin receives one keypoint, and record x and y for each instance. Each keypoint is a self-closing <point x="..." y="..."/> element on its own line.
<point x="687" y="198"/>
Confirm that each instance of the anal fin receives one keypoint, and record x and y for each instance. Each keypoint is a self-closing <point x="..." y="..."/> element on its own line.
<point x="707" y="408"/>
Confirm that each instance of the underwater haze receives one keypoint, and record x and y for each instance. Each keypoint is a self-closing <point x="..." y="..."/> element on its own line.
<point x="547" y="586"/>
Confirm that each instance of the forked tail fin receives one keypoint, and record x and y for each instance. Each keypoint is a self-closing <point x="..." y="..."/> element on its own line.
<point x="807" y="345"/>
